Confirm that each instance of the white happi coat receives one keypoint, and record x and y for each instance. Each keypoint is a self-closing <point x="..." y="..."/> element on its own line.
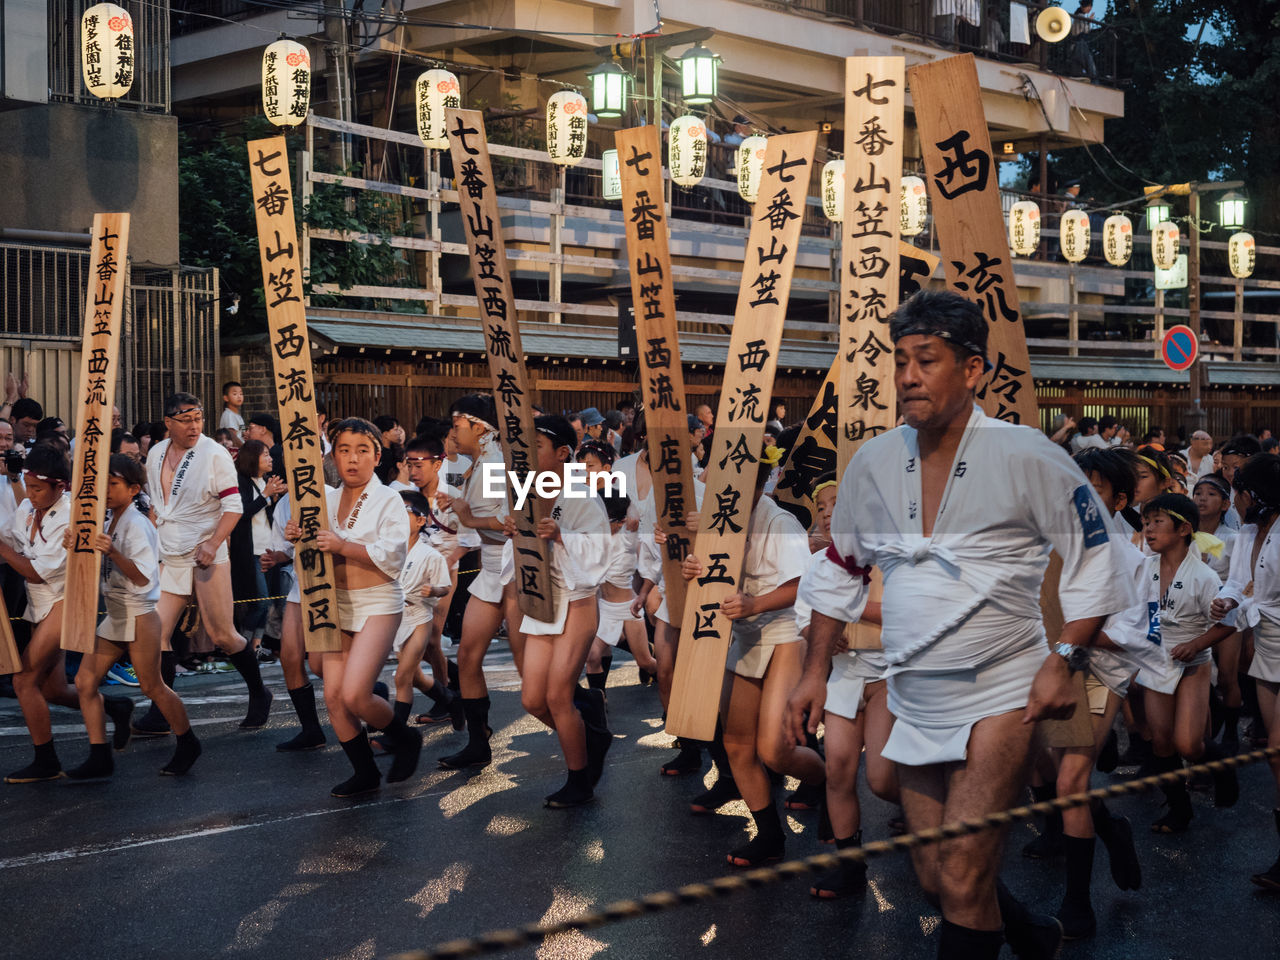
<point x="1179" y="615"/>
<point x="1259" y="607"/>
<point x="579" y="561"/>
<point x="425" y="566"/>
<point x="137" y="540"/>
<point x="204" y="487"/>
<point x="962" y="630"/>
<point x="42" y="544"/>
<point x="378" y="521"/>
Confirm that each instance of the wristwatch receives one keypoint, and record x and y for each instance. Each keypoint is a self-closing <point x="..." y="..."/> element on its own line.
<point x="1077" y="657"/>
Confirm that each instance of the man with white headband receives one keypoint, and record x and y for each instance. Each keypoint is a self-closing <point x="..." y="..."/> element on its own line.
<point x="960" y="512"/>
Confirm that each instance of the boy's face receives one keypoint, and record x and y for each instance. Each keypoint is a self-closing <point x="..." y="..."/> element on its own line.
<point x="549" y="455"/>
<point x="423" y="467"/>
<point x="234" y="397"/>
<point x="1210" y="502"/>
<point x="43" y="494"/>
<point x="416" y="523"/>
<point x="355" y="455"/>
<point x="826" y="504"/>
<point x="1104" y="491"/>
<point x="1162" y="532"/>
<point x="468" y="434"/>
<point x="120" y="493"/>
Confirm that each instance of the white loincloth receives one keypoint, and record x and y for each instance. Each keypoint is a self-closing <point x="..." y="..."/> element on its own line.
<point x="614" y="615"/>
<point x="850" y="674"/>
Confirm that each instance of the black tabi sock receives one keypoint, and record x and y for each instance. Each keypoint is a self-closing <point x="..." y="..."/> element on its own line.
<point x="596" y="680"/>
<point x="304" y="704"/>
<point x="477" y="711"/>
<point x="1053" y="819"/>
<point x="46" y="754"/>
<point x="580" y="779"/>
<point x="246" y="662"/>
<point x="1230" y="724"/>
<point x="360" y="755"/>
<point x="844" y="843"/>
<point x="605" y="663"/>
<point x="962" y="943"/>
<point x="1012" y="910"/>
<point x="401" y="710"/>
<point x="440" y="694"/>
<point x="768" y="824"/>
<point x="1079" y="853"/>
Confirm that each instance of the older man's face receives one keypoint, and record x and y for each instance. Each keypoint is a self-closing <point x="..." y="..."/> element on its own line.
<point x="1201" y="443"/>
<point x="256" y="431"/>
<point x="6" y="436"/>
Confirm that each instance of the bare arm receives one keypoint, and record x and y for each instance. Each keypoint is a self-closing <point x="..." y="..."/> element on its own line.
<point x="20" y="563"/>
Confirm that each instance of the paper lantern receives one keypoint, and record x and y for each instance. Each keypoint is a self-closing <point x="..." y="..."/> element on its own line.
<point x="434" y="91"/>
<point x="286" y="83"/>
<point x="915" y="206"/>
<point x="1117" y="239"/>
<point x="1242" y="253"/>
<point x="1164" y="245"/>
<point x="833" y="190"/>
<point x="1024" y="227"/>
<point x="687" y="150"/>
<point x="610" y="176"/>
<point x="107" y="54"/>
<point x="566" y="127"/>
<point x="1073" y="235"/>
<point x="750" y="166"/>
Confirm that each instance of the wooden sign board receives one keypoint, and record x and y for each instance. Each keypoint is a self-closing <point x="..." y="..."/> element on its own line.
<point x="658" y="349"/>
<point x="869" y="248"/>
<point x="967" y="216"/>
<point x="814" y="452"/>
<point x="10" y="660"/>
<point x="281" y="258"/>
<point x="478" y="198"/>
<point x="99" y="370"/>
<point x="768" y="265"/>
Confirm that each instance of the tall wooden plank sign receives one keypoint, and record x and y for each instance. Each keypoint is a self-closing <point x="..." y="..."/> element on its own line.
<point x="661" y="376"/>
<point x="962" y="179"/>
<point x="478" y="199"/>
<point x="768" y="265"/>
<point x="99" y="370"/>
<point x="280" y="254"/>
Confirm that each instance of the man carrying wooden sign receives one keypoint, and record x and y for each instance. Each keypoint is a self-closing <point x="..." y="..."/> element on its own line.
<point x="958" y="509"/>
<point x="311" y="624"/>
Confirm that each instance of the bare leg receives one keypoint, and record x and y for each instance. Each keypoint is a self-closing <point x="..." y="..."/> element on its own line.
<point x="292" y="647"/>
<point x="774" y="748"/>
<point x="638" y="641"/>
<point x="479" y="624"/>
<point x="40" y="660"/>
<point x="145" y="654"/>
<point x="843" y="742"/>
<point x="882" y="774"/>
<point x="93" y="668"/>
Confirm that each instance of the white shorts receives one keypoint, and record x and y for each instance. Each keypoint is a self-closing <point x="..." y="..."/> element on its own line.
<point x="121" y="619"/>
<point x="357" y="606"/>
<point x="847" y="685"/>
<point x="495" y="573"/>
<point x="40" y="600"/>
<point x="409" y="623"/>
<point x="936" y="711"/>
<point x="753" y="644"/>
<point x="613" y="616"/>
<point x="177" y="573"/>
<point x="1266" y="651"/>
<point x="1166" y="679"/>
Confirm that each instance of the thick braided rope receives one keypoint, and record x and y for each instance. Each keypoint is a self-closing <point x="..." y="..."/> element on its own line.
<point x="497" y="941"/>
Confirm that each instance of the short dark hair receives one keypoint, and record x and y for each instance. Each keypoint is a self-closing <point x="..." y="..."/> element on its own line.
<point x="941" y="313"/>
<point x="389" y="462"/>
<point x="385" y="422"/>
<point x="425" y="443"/>
<point x="248" y="456"/>
<point x="1245" y="445"/>
<point x="558" y="430"/>
<point x="1085" y="424"/>
<point x="1107" y="422"/>
<point x="26" y="408"/>
<point x="127" y="469"/>
<point x="48" y="459"/>
<point x="268" y="421"/>
<point x="1174" y="503"/>
<point x="355" y="425"/>
<point x="119" y="438"/>
<point x="229" y="384"/>
<point x="1115" y="465"/>
<point x="417" y="503"/>
<point x="179" y="400"/>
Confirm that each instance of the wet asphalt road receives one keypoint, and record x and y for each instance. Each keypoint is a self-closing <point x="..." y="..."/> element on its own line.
<point x="249" y="856"/>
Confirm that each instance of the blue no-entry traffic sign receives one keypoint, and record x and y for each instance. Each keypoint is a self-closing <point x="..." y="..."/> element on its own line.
<point x="1179" y="347"/>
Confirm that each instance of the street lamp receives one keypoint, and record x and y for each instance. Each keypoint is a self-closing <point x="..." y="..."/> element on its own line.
<point x="609" y="85"/>
<point x="699" y="75"/>
<point x="1231" y="210"/>
<point x="1158" y="211"/>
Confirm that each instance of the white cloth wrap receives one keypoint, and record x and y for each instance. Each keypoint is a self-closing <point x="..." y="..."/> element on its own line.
<point x="42" y="546"/>
<point x="579" y="559"/>
<point x="120" y="622"/>
<point x="1181" y="615"/>
<point x="850" y="673"/>
<point x="355" y="607"/>
<point x="207" y="490"/>
<point x="614" y="615"/>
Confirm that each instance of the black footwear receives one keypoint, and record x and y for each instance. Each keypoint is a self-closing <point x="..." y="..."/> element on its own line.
<point x="807" y="796"/>
<point x="847" y="878"/>
<point x="1116" y="834"/>
<point x="405" y="746"/>
<point x="439" y="713"/>
<point x="769" y="843"/>
<point x="1031" y="936"/>
<point x="1076" y="913"/>
<point x="305" y="740"/>
<point x="1180" y="813"/>
<point x="1138" y="754"/>
<point x="45" y="766"/>
<point x="365" y="779"/>
<point x="311" y="736"/>
<point x="120" y="710"/>
<point x="1270" y="879"/>
<point x="826" y="833"/>
<point x="184" y="756"/>
<point x="591" y="704"/>
<point x="477" y="752"/>
<point x="1049" y="844"/>
<point x="1226" y="784"/>
<point x="576" y="791"/>
<point x="723" y="791"/>
<point x="98" y="766"/>
<point x="688" y="760"/>
<point x="259" y="710"/>
<point x="598" y="744"/>
<point x="150" y="724"/>
<point x="1109" y="755"/>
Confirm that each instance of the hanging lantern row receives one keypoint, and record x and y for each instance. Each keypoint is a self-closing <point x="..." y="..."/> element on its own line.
<point x="750" y="165"/>
<point x="1241" y="255"/>
<point x="286" y="83"/>
<point x="435" y="91"/>
<point x="1073" y="235"/>
<point x="610" y="176"/>
<point x="687" y="150"/>
<point x="107" y="52"/>
<point x="915" y="206"/>
<point x="1164" y="245"/>
<point x="1024" y="227"/>
<point x="833" y="190"/>
<point x="1117" y="239"/>
<point x="566" y="127"/>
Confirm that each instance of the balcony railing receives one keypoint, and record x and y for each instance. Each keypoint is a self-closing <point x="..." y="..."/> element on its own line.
<point x="150" y="91"/>
<point x="1090" y="50"/>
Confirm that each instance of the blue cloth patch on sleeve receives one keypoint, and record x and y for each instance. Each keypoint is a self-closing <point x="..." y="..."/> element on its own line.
<point x="1091" y="522"/>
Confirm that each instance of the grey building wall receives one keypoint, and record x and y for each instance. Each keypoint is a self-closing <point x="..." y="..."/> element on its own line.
<point x="60" y="163"/>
